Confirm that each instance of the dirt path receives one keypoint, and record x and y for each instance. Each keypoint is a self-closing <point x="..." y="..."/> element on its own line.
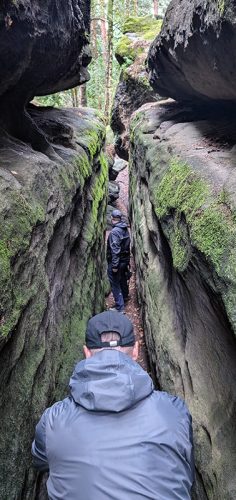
<point x="132" y="308"/>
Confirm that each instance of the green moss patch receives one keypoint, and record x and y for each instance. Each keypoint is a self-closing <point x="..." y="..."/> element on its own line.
<point x="221" y="7"/>
<point x="181" y="193"/>
<point x="125" y="50"/>
<point x="98" y="193"/>
<point x="147" y="27"/>
<point x="15" y="233"/>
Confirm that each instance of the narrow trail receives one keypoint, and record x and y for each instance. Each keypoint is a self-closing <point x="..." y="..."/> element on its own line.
<point x="132" y="308"/>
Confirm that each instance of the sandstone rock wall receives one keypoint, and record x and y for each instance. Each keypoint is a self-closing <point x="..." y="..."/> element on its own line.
<point x="44" y="48"/>
<point x="52" y="222"/>
<point x="182" y="194"/>
<point x="194" y="56"/>
<point x="27" y="31"/>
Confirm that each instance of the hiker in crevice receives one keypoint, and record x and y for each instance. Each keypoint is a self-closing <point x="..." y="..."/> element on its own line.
<point x="118" y="259"/>
<point x="115" y="437"/>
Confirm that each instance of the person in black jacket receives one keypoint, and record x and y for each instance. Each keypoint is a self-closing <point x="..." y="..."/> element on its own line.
<point x="118" y="259"/>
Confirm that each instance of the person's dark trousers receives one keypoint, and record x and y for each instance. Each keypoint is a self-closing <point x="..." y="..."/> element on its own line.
<point x="123" y="279"/>
<point x="115" y="282"/>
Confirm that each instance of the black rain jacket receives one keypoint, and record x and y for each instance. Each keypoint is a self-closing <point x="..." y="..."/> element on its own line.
<point x="118" y="245"/>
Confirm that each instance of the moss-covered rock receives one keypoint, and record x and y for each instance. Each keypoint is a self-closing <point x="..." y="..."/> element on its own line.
<point x="133" y="89"/>
<point x="182" y="187"/>
<point x="212" y="228"/>
<point x="147" y="27"/>
<point x="125" y="52"/>
<point x="52" y="222"/>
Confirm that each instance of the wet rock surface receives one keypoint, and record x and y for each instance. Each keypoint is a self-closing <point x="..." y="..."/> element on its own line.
<point x="194" y="56"/>
<point x="52" y="219"/>
<point x="182" y="187"/>
<point x="29" y="68"/>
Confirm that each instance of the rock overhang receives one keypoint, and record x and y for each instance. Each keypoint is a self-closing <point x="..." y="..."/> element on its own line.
<point x="193" y="57"/>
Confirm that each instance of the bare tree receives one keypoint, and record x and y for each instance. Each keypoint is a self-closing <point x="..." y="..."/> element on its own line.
<point x="110" y="11"/>
<point x="156" y="7"/>
<point x="83" y="95"/>
<point x="74" y="97"/>
<point x="135" y="7"/>
<point x="127" y="7"/>
<point x="103" y="30"/>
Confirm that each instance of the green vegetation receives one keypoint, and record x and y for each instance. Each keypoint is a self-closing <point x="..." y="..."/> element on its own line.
<point x="181" y="193"/>
<point x="99" y="193"/>
<point x="125" y="50"/>
<point x="99" y="189"/>
<point x="91" y="140"/>
<point x="126" y="17"/>
<point x="86" y="298"/>
<point x="182" y="189"/>
<point x="146" y="27"/>
<point x="213" y="233"/>
<point x="16" y="229"/>
<point x="221" y="7"/>
<point x="58" y="100"/>
<point x="154" y="30"/>
<point x="26" y="212"/>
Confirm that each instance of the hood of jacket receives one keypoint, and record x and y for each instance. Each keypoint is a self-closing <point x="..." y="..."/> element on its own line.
<point x="121" y="224"/>
<point x="109" y="381"/>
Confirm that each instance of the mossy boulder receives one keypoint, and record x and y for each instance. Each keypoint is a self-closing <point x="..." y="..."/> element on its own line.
<point x="146" y="27"/>
<point x="52" y="222"/>
<point x="133" y="89"/>
<point x="182" y="187"/>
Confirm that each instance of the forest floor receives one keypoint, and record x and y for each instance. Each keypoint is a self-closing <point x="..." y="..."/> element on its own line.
<point x="132" y="308"/>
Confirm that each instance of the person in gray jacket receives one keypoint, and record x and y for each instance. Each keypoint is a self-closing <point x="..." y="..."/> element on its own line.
<point x="115" y="437"/>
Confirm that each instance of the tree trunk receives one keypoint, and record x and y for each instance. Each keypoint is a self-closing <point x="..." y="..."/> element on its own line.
<point x="155" y="7"/>
<point x="134" y="8"/>
<point x="93" y="38"/>
<point x="74" y="96"/>
<point x="110" y="6"/>
<point x="127" y="7"/>
<point x="103" y="30"/>
<point x="83" y="95"/>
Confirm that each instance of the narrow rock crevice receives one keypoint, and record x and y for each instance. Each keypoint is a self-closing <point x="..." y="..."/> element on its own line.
<point x="185" y="295"/>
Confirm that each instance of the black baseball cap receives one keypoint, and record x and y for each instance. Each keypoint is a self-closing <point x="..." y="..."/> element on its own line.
<point x="116" y="214"/>
<point x="109" y="321"/>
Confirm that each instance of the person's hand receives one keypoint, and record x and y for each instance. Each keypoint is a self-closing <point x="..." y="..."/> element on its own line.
<point x="114" y="270"/>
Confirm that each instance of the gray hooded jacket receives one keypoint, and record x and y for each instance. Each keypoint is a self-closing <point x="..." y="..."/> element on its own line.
<point x="115" y="438"/>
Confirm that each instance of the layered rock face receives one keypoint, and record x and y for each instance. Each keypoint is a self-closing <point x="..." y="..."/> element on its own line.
<point x="194" y="56"/>
<point x="43" y="49"/>
<point x="182" y="190"/>
<point x="133" y="89"/>
<point x="52" y="220"/>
